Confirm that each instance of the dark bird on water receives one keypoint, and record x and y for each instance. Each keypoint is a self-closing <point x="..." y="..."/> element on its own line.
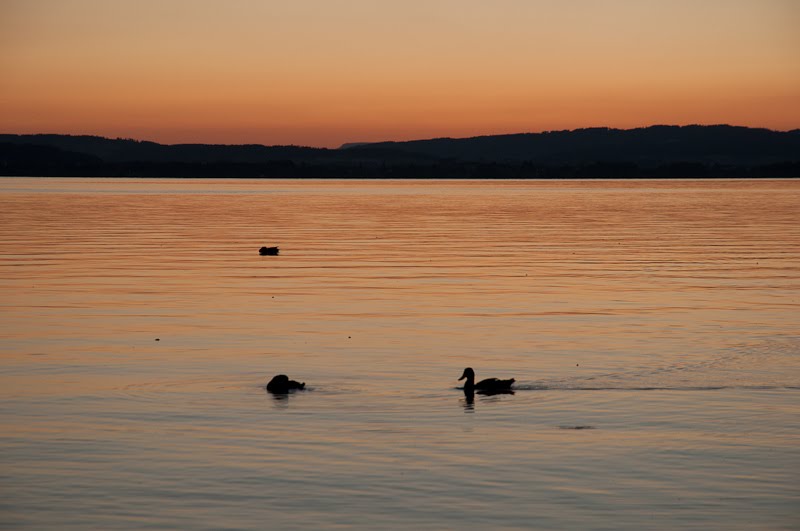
<point x="281" y="384"/>
<point x="269" y="251"/>
<point x="487" y="386"/>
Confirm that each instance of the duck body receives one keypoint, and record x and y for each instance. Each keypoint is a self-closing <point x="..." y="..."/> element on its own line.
<point x="269" y="251"/>
<point x="489" y="385"/>
<point x="281" y="384"/>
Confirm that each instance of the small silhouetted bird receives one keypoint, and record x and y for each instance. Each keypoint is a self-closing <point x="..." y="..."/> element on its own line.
<point x="269" y="251"/>
<point x="488" y="385"/>
<point x="281" y="384"/>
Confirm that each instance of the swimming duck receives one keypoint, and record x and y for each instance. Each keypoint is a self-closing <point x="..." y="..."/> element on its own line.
<point x="269" y="251"/>
<point x="281" y="384"/>
<point x="489" y="385"/>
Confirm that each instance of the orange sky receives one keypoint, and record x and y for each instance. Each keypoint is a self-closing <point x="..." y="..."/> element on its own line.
<point x="324" y="72"/>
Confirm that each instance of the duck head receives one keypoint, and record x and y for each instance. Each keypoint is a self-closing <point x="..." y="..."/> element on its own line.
<point x="469" y="374"/>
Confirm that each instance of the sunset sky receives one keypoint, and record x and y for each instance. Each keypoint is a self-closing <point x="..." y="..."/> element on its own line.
<point x="325" y="72"/>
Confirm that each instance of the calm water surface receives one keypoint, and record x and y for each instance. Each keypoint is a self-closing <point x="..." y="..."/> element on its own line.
<point x="659" y="317"/>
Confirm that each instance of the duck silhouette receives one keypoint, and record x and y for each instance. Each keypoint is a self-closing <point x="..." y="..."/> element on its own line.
<point x="269" y="251"/>
<point x="487" y="386"/>
<point x="281" y="384"/>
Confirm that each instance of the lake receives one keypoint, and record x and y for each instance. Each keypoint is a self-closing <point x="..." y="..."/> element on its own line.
<point x="651" y="326"/>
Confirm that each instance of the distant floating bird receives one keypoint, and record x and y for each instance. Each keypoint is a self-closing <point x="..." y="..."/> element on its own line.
<point x="269" y="251"/>
<point x="281" y="384"/>
<point x="489" y="385"/>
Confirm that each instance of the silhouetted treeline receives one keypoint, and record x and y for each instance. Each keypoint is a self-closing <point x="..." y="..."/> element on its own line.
<point x="648" y="146"/>
<point x="652" y="152"/>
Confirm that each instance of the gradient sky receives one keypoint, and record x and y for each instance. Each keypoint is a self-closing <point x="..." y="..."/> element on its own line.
<point x="324" y="72"/>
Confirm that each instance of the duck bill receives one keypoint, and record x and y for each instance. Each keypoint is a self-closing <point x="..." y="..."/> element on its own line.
<point x="463" y="376"/>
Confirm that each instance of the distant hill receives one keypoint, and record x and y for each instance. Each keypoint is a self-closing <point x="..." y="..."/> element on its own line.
<point x="656" y="151"/>
<point x="655" y="145"/>
<point x="128" y="150"/>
